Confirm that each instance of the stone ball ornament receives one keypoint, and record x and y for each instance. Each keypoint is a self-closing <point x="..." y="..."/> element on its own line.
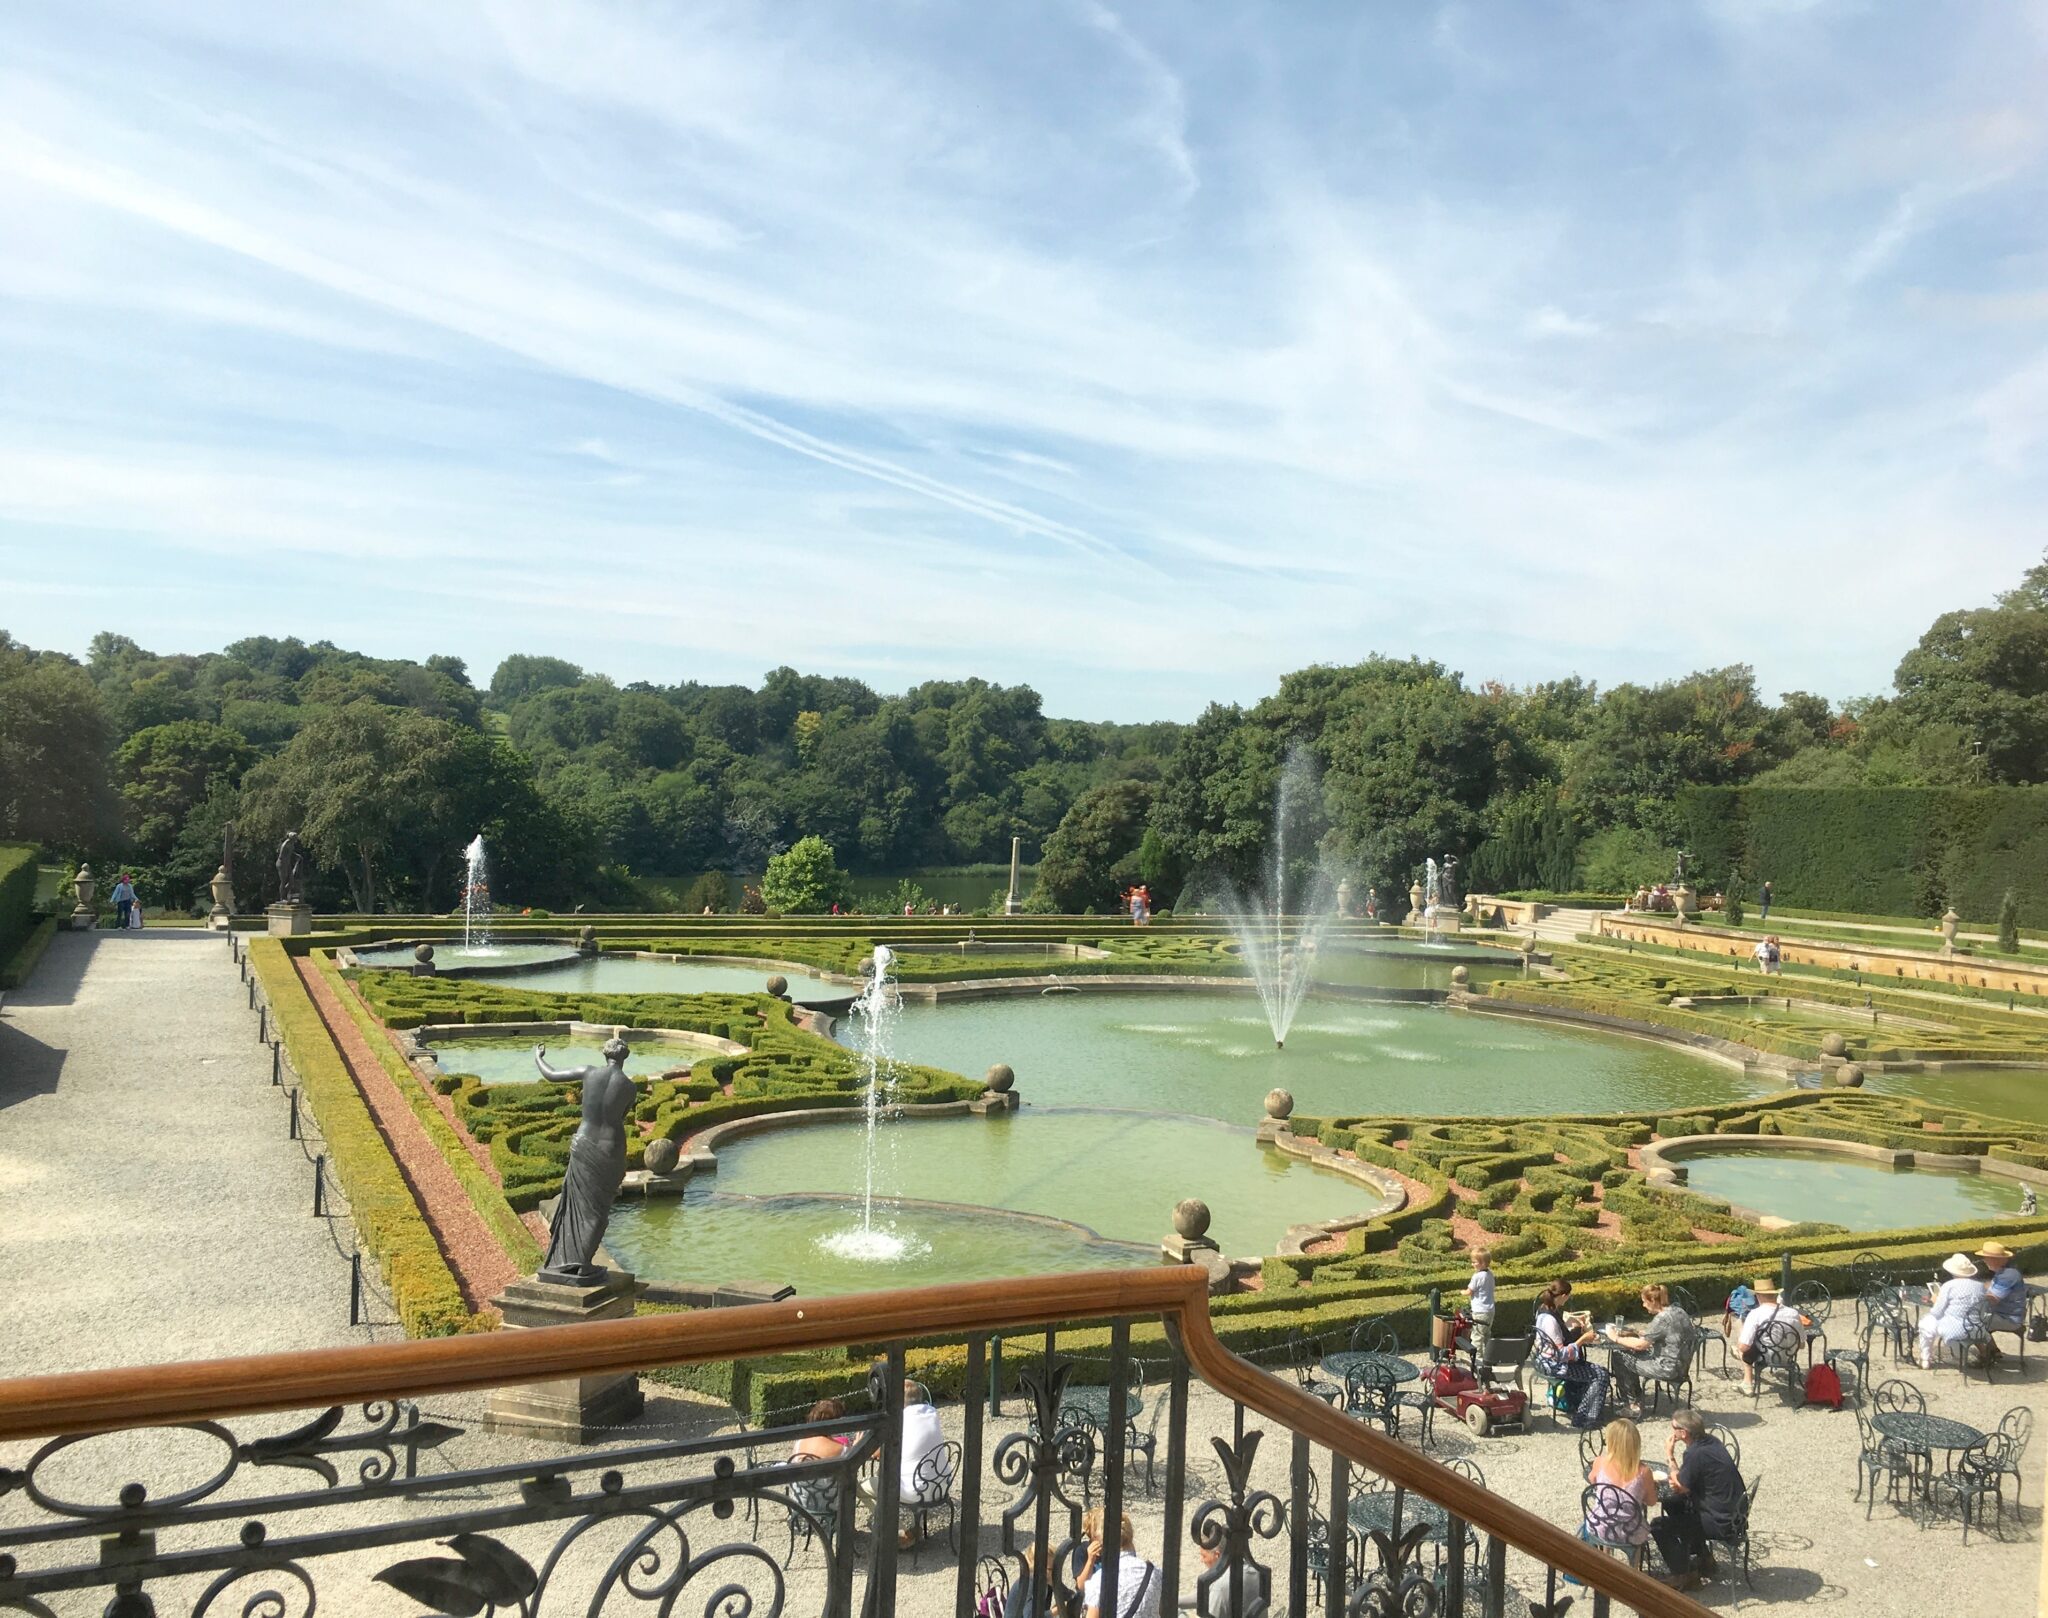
<point x="424" y="954"/>
<point x="778" y="985"/>
<point x="1279" y="1104"/>
<point x="1833" y="1045"/>
<point x="1849" y="1076"/>
<point x="1000" y="1077"/>
<point x="1460" y="976"/>
<point x="660" y="1156"/>
<point x="1191" y="1218"/>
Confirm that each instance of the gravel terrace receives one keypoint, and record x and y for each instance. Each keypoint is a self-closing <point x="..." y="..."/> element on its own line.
<point x="152" y="1206"/>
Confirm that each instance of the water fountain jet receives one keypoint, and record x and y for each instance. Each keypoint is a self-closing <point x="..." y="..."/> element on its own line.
<point x="1281" y="966"/>
<point x="476" y="897"/>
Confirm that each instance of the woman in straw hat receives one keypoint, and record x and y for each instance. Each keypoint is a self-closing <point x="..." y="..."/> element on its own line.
<point x="2005" y="1289"/>
<point x="1948" y="1317"/>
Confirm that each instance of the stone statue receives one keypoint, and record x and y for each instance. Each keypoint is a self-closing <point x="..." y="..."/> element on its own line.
<point x="1678" y="871"/>
<point x="2029" y="1205"/>
<point x="597" y="1163"/>
<point x="227" y="852"/>
<point x="291" y="870"/>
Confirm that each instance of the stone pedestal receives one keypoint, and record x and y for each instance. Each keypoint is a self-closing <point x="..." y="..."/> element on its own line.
<point x="1013" y="901"/>
<point x="289" y="921"/>
<point x="576" y="1409"/>
<point x="995" y="1102"/>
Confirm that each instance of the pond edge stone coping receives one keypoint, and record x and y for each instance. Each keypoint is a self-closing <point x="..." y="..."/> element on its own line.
<point x="1663" y="1167"/>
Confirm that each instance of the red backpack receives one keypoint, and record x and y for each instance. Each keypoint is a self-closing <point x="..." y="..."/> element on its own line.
<point x="1824" y="1386"/>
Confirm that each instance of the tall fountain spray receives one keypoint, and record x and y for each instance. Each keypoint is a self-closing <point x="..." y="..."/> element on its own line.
<point x="1279" y="931"/>
<point x="875" y="1011"/>
<point x="476" y="896"/>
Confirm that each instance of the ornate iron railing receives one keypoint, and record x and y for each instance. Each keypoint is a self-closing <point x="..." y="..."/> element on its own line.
<point x="688" y="1524"/>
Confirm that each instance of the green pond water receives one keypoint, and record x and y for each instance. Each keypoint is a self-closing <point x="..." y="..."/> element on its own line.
<point x="1117" y="1173"/>
<point x="446" y="954"/>
<point x="1842" y="1191"/>
<point x="1211" y="1055"/>
<point x="510" y="1061"/>
<point x="1993" y="1091"/>
<point x="1394" y="965"/>
<point x="624" y="974"/>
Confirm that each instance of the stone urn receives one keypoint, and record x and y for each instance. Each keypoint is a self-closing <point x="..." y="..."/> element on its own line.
<point x="1000" y="1078"/>
<point x="660" y="1156"/>
<point x="1950" y="921"/>
<point x="586" y="941"/>
<point x="223" y="892"/>
<point x="85" y="885"/>
<point x="778" y="985"/>
<point x="1685" y="899"/>
<point x="1415" y="902"/>
<point x="1344" y="897"/>
<point x="1279" y="1105"/>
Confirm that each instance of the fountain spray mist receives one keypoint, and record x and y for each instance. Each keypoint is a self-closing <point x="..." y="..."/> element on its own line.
<point x="1279" y="931"/>
<point x="876" y="1011"/>
<point x="476" y="896"/>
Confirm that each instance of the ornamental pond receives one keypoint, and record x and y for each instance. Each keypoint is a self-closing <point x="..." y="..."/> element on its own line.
<point x="1854" y="1193"/>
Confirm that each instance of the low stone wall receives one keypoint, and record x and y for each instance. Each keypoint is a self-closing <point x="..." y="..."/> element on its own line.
<point x="1899" y="965"/>
<point x="1299" y="1238"/>
<point x="1735" y="1054"/>
<point x="417" y="1044"/>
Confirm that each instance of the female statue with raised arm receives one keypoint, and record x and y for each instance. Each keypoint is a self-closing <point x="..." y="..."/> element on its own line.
<point x="597" y="1164"/>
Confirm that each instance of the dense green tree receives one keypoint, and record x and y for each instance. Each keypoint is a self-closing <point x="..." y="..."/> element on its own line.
<point x="1092" y="856"/>
<point x="53" y="753"/>
<point x="163" y="773"/>
<point x="1984" y="671"/>
<point x="520" y="676"/>
<point x="805" y="879"/>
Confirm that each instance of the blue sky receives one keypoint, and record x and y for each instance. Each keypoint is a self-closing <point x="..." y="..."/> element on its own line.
<point x="1142" y="354"/>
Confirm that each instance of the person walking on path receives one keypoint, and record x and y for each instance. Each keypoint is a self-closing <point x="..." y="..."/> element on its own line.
<point x="1764" y="910"/>
<point x="124" y="900"/>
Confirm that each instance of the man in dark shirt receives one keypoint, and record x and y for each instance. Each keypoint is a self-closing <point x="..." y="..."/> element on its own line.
<point x="1704" y="1501"/>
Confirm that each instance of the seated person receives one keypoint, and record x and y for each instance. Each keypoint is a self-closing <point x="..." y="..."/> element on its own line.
<point x="1662" y="1349"/>
<point x="921" y="1435"/>
<point x="1558" y="1346"/>
<point x="1257" y="1588"/>
<point x="1704" y="1502"/>
<point x="1137" y="1580"/>
<point x="1767" y="1310"/>
<point x="2005" y="1289"/>
<point x="1620" y="1464"/>
<point x="822" y="1446"/>
<point x="1948" y="1317"/>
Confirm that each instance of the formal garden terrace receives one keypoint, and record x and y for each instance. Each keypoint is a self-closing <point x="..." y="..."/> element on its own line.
<point x="1562" y="1108"/>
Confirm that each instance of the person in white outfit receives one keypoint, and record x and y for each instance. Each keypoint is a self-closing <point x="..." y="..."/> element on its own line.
<point x="1137" y="1580"/>
<point x="1948" y="1317"/>
<point x="1767" y="1310"/>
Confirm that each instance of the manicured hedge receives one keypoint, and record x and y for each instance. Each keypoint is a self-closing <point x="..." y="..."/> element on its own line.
<point x="14" y="970"/>
<point x="504" y="1224"/>
<point x="1898" y="851"/>
<point x="527" y="1127"/>
<point x="17" y="897"/>
<point x="388" y="1222"/>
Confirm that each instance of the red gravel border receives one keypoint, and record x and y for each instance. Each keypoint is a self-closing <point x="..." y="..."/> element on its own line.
<point x="481" y="1268"/>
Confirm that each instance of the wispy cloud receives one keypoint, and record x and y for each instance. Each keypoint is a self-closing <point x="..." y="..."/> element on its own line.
<point x="1064" y="344"/>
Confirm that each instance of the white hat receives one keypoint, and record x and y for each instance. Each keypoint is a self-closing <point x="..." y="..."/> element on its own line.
<point x="1959" y="1266"/>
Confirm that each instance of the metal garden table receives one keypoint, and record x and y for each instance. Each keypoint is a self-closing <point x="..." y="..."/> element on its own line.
<point x="1337" y="1367"/>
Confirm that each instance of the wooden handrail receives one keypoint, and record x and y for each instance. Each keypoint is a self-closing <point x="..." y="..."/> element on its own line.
<point x="1302" y="1412"/>
<point x="206" y="1390"/>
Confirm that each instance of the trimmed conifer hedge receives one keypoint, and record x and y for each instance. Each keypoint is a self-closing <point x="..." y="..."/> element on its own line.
<point x="1891" y="851"/>
<point x="17" y="897"/>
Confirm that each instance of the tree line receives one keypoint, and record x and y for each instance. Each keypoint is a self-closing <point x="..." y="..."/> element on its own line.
<point x="388" y="766"/>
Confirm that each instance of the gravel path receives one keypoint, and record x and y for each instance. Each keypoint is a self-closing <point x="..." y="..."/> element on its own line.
<point x="482" y="1267"/>
<point x="151" y="1205"/>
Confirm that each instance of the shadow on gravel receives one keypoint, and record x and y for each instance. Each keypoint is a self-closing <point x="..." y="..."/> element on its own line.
<point x="54" y="979"/>
<point x="28" y="1067"/>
